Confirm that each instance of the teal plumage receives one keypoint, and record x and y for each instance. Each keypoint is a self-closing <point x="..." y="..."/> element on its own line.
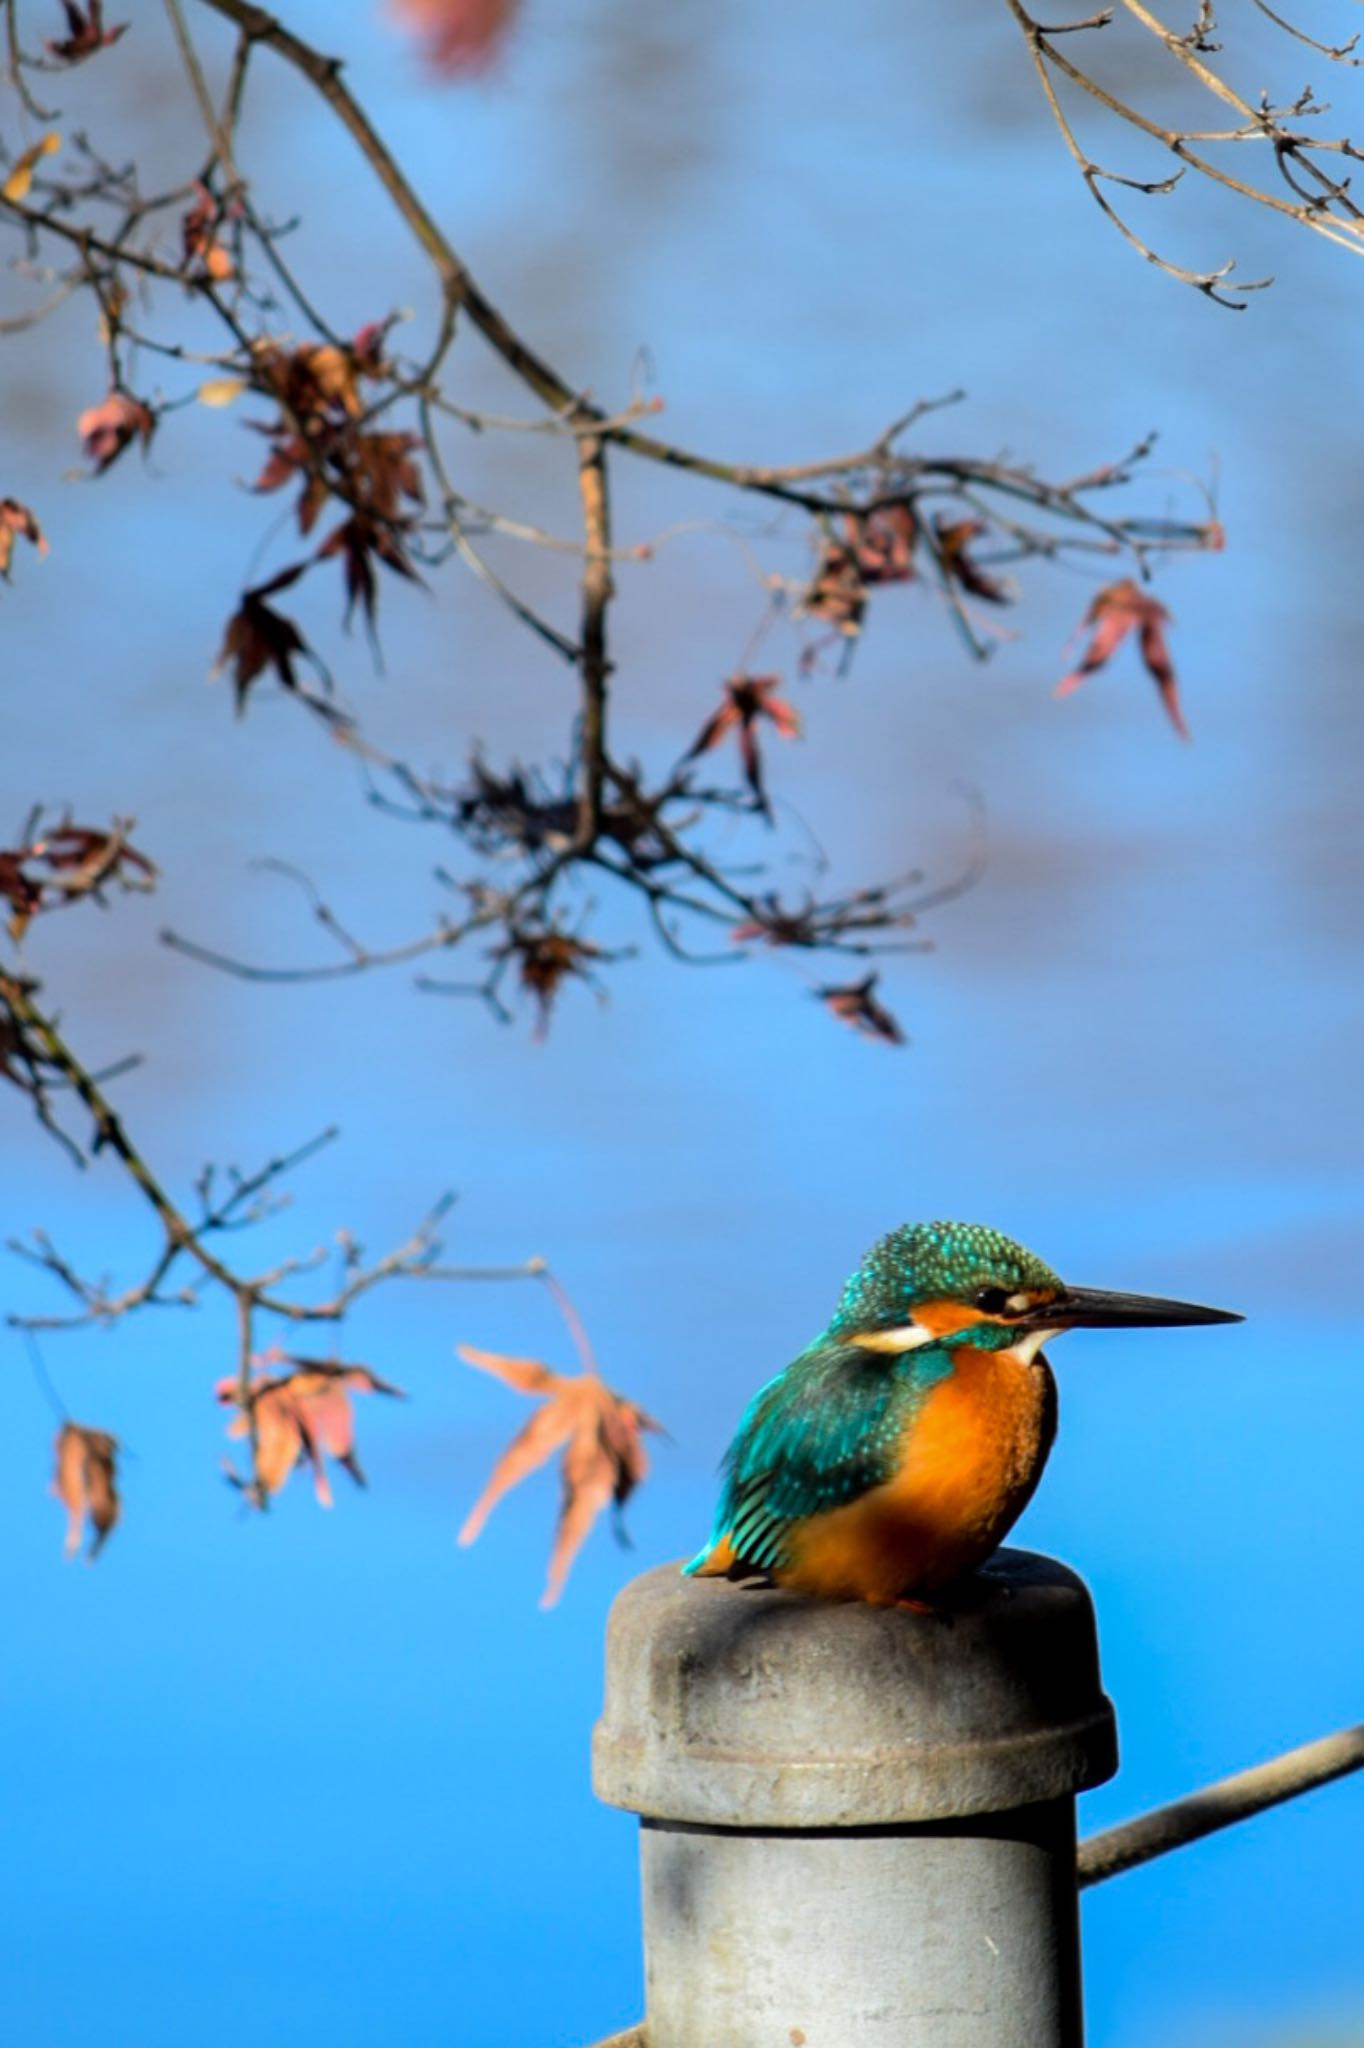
<point x="822" y="1432"/>
<point x="828" y="1427"/>
<point x="935" y="1262"/>
<point x="897" y="1450"/>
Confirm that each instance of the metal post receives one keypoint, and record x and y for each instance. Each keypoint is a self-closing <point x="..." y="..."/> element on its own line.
<point x="858" y="1823"/>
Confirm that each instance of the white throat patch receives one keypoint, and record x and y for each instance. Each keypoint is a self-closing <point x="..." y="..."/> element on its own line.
<point x="1028" y="1346"/>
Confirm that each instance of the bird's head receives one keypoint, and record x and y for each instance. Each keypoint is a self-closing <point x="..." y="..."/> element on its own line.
<point x="928" y="1281"/>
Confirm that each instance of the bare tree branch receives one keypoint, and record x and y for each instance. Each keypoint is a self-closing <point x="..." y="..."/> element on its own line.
<point x="1318" y="198"/>
<point x="360" y="433"/>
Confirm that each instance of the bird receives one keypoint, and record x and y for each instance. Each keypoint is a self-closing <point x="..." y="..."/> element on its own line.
<point x="894" y="1454"/>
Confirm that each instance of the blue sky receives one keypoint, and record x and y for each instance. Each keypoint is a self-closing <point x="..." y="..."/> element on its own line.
<point x="324" y="1777"/>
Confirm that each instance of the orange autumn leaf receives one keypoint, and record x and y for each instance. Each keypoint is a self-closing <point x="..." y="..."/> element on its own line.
<point x="1115" y="611"/>
<point x="86" y="1483"/>
<point x="600" y="1433"/>
<point x="19" y="181"/>
<point x="301" y="1416"/>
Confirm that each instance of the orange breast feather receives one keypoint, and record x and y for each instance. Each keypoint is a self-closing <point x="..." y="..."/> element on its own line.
<point x="969" y="1459"/>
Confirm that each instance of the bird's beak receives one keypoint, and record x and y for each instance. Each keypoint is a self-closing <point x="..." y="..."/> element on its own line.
<point x="1091" y="1308"/>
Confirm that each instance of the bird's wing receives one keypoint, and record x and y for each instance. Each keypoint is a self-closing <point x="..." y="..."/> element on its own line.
<point x="819" y="1435"/>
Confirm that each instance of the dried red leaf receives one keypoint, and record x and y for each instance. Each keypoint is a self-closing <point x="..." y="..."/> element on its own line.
<point x="67" y="862"/>
<point x="875" y="547"/>
<point x="883" y="543"/>
<point x="107" y="428"/>
<point x="367" y="347"/>
<point x="199" y="236"/>
<point x="302" y="1416"/>
<point x="545" y="959"/>
<point x="604" y="1459"/>
<point x="85" y="1481"/>
<point x="954" y="537"/>
<point x="856" y="1003"/>
<point x="290" y="457"/>
<point x="19" y="889"/>
<point x="748" y="699"/>
<point x="85" y="34"/>
<point x="459" y="35"/>
<point x="90" y="847"/>
<point x="376" y="472"/>
<point x="837" y="592"/>
<point x="315" y="382"/>
<point x="82" y="858"/>
<point x="1117" y="610"/>
<point x="386" y="473"/>
<point x="258" y="637"/>
<point x="17" y="523"/>
<point x="361" y="542"/>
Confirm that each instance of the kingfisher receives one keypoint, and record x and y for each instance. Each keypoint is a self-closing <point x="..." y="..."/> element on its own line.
<point x="897" y="1451"/>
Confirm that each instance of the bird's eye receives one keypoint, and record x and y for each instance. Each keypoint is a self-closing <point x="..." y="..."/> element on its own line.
<point x="994" y="1300"/>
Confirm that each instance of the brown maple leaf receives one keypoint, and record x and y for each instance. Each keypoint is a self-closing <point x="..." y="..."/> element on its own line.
<point x="460" y="36"/>
<point x="17" y="523"/>
<point x="954" y="537"/>
<point x="600" y="1433"/>
<point x="318" y="383"/>
<point x="84" y="856"/>
<point x="303" y="1415"/>
<point x="361" y="542"/>
<point x="314" y="382"/>
<point x="85" y="1481"/>
<point x="883" y="543"/>
<point x="199" y="236"/>
<point x="545" y="959"/>
<point x="748" y="699"/>
<point x="290" y="456"/>
<point x="386" y="472"/>
<point x="836" y="592"/>
<point x="874" y="547"/>
<point x="374" y="471"/>
<point x="1114" y="612"/>
<point x="107" y="428"/>
<point x="258" y="637"/>
<point x="67" y="862"/>
<point x="85" y="32"/>
<point x="20" y="890"/>
<point x="856" y="1003"/>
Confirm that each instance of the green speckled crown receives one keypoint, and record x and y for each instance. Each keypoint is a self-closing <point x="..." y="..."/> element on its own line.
<point x="934" y="1262"/>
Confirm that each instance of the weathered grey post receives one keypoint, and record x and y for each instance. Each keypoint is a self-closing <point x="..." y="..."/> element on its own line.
<point x="858" y="1824"/>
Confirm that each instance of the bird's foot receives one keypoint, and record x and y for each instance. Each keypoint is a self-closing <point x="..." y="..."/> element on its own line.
<point x="935" y="1613"/>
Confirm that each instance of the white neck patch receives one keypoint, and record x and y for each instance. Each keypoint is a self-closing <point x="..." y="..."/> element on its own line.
<point x="908" y="1337"/>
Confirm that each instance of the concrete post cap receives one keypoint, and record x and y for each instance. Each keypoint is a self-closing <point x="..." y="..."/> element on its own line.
<point x="744" y="1706"/>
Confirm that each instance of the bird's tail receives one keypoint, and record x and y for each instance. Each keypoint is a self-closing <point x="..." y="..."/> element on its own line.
<point x="713" y="1561"/>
